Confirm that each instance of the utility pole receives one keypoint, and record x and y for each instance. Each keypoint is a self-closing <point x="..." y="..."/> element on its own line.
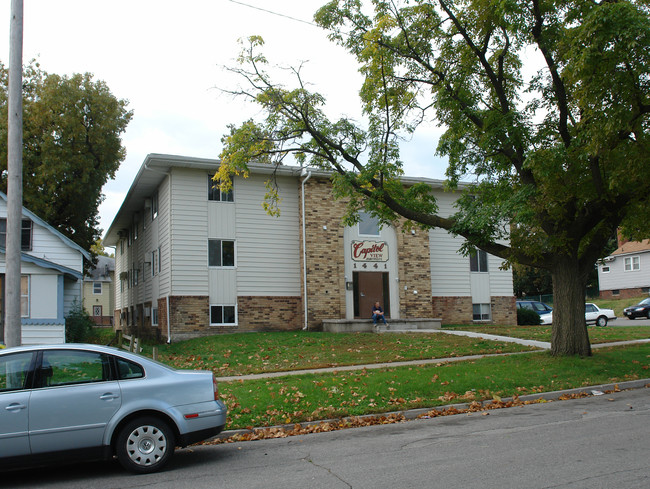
<point x="13" y="328"/>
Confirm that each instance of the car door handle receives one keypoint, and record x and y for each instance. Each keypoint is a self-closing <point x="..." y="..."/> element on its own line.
<point x="15" y="407"/>
<point x="109" y="396"/>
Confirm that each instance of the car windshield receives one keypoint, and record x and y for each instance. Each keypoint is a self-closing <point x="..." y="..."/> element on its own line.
<point x="645" y="302"/>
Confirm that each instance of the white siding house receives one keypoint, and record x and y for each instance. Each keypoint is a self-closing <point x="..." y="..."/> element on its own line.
<point x="192" y="260"/>
<point x="51" y="277"/>
<point x="626" y="272"/>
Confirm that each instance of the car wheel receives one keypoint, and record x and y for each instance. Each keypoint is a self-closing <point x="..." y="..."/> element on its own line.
<point x="601" y="321"/>
<point x="145" y="444"/>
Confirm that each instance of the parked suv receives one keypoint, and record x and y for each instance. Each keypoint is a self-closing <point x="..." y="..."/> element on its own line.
<point x="543" y="310"/>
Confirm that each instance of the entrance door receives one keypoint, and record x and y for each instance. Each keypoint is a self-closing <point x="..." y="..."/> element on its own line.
<point x="370" y="287"/>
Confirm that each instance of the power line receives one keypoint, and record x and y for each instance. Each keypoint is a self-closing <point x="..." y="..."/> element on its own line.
<point x="274" y="13"/>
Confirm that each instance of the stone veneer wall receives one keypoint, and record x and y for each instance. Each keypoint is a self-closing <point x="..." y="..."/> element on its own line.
<point x="190" y="316"/>
<point x="453" y="310"/>
<point x="414" y="273"/>
<point x="325" y="253"/>
<point x="269" y="313"/>
<point x="504" y="310"/>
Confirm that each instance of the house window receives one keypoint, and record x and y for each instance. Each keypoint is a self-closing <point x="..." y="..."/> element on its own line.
<point x="155" y="266"/>
<point x="154" y="206"/>
<point x="25" y="234"/>
<point x="221" y="253"/>
<point x="154" y="317"/>
<point x="216" y="194"/>
<point x="24" y="296"/>
<point x="481" y="312"/>
<point x="97" y="288"/>
<point x="368" y="225"/>
<point x="121" y="247"/>
<point x="632" y="264"/>
<point x="478" y="262"/>
<point x="135" y="275"/>
<point x="135" y="230"/>
<point x="605" y="269"/>
<point x="222" y="315"/>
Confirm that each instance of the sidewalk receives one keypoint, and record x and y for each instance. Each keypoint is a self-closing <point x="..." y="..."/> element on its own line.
<point x="346" y="368"/>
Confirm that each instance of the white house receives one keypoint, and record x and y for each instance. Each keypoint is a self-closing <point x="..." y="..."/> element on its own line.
<point x="626" y="272"/>
<point x="191" y="260"/>
<point x="51" y="277"/>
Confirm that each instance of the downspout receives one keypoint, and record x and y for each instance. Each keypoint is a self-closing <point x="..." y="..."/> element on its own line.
<point x="304" y="247"/>
<point x="169" y="332"/>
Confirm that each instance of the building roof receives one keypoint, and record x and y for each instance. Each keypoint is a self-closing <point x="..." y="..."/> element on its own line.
<point x="27" y="213"/>
<point x="102" y="271"/>
<point x="632" y="247"/>
<point x="157" y="166"/>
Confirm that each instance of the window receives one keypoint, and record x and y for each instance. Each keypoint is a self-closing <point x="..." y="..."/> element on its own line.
<point x="221" y="253"/>
<point x="97" y="288"/>
<point x="66" y="367"/>
<point x="14" y="370"/>
<point x="368" y="225"/>
<point x="154" y="206"/>
<point x="121" y="247"/>
<point x="216" y="194"/>
<point x="481" y="312"/>
<point x="154" y="263"/>
<point x="478" y="262"/>
<point x="154" y="317"/>
<point x="135" y="275"/>
<point x="128" y="370"/>
<point x="25" y="234"/>
<point x="24" y="296"/>
<point x="605" y="269"/>
<point x="220" y="315"/>
<point x="135" y="229"/>
<point x="632" y="264"/>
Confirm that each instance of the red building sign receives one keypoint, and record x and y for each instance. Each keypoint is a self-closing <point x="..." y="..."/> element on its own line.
<point x="369" y="251"/>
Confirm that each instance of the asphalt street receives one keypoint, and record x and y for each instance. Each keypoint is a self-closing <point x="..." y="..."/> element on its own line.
<point x="595" y="442"/>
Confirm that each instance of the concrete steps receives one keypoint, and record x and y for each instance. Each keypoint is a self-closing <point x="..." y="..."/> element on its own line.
<point x="394" y="325"/>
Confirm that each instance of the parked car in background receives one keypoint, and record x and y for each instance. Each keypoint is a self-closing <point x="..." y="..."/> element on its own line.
<point x="596" y="315"/>
<point x="640" y="310"/>
<point x="543" y="310"/>
<point x="79" y="402"/>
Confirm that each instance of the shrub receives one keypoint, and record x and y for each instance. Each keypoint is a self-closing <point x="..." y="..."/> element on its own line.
<point x="78" y="324"/>
<point x="527" y="317"/>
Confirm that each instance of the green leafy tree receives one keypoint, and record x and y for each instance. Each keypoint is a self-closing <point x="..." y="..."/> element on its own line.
<point x="558" y="158"/>
<point x="72" y="145"/>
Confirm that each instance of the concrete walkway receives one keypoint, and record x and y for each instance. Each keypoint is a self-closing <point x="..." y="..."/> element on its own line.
<point x="347" y="368"/>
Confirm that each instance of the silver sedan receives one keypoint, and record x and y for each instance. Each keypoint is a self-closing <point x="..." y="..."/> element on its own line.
<point x="92" y="402"/>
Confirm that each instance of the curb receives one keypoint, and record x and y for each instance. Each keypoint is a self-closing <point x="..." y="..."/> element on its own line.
<point x="413" y="414"/>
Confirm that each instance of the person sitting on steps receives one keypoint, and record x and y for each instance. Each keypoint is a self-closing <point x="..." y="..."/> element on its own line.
<point x="378" y="313"/>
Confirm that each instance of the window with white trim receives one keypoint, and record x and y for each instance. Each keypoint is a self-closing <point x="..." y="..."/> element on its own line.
<point x="605" y="269"/>
<point x="221" y="253"/>
<point x="368" y="224"/>
<point x="481" y="312"/>
<point x="632" y="263"/>
<point x="97" y="288"/>
<point x="223" y="315"/>
<point x="154" y="206"/>
<point x="215" y="194"/>
<point x="26" y="227"/>
<point x="155" y="265"/>
<point x="154" y="317"/>
<point x="478" y="262"/>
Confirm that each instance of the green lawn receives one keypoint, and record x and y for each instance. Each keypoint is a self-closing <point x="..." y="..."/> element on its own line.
<point x="268" y="402"/>
<point x="543" y="332"/>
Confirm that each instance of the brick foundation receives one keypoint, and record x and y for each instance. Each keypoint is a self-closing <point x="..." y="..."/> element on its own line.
<point x="624" y="293"/>
<point x="504" y="310"/>
<point x="453" y="310"/>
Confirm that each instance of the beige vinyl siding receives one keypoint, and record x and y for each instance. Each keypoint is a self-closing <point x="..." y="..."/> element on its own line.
<point x="450" y="276"/>
<point x="164" y="240"/>
<point x="268" y="248"/>
<point x="500" y="280"/>
<point x="189" y="232"/>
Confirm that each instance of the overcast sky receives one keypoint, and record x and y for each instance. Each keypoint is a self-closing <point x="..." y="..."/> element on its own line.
<point x="166" y="57"/>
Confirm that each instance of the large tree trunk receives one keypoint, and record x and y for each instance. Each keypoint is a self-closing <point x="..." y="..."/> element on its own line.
<point x="570" y="335"/>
